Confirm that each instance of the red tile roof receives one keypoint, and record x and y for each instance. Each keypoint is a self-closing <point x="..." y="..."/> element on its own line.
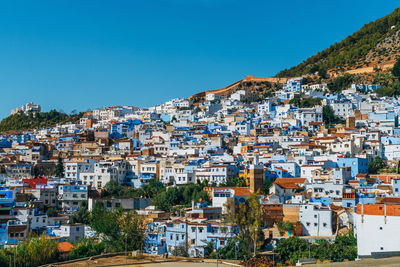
<point x="290" y="180"/>
<point x="35" y="181"/>
<point x="289" y="186"/>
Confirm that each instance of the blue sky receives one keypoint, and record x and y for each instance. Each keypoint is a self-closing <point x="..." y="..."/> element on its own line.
<point x="86" y="54"/>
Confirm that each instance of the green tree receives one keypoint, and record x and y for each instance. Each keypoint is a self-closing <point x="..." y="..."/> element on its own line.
<point x="323" y="73"/>
<point x="292" y="249"/>
<point x="341" y="82"/>
<point x="235" y="249"/>
<point x="59" y="170"/>
<point x="328" y="115"/>
<point x="267" y="186"/>
<point x="376" y="165"/>
<point x="391" y="89"/>
<point x="22" y="121"/>
<point x="305" y="102"/>
<point x="118" y="228"/>
<point x="234" y="182"/>
<point x="35" y="251"/>
<point x="166" y="199"/>
<point x="87" y="247"/>
<point x="396" y="69"/>
<point x="343" y="248"/>
<point x="82" y="215"/>
<point x="51" y="212"/>
<point x="248" y="217"/>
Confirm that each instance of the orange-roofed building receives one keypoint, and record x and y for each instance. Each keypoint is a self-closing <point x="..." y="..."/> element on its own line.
<point x="64" y="248"/>
<point x="386" y="178"/>
<point x="221" y="195"/>
<point x="376" y="228"/>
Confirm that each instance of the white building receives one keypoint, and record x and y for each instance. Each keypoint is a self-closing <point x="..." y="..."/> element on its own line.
<point x="29" y="107"/>
<point x="376" y="229"/>
<point x="307" y="115"/>
<point x="264" y="108"/>
<point x="72" y="231"/>
<point x="73" y="170"/>
<point x="343" y="109"/>
<point x="104" y="172"/>
<point x="317" y="221"/>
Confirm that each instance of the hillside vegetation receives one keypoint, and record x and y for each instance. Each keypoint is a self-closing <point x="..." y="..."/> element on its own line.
<point x="377" y="41"/>
<point x="21" y="121"/>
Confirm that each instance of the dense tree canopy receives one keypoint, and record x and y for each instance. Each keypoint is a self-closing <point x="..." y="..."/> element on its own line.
<point x="59" y="170"/>
<point x="340" y="83"/>
<point x="305" y="102"/>
<point x="396" y="69"/>
<point x="22" y="121"/>
<point x="168" y="198"/>
<point x="248" y="218"/>
<point x="328" y="115"/>
<point x="294" y="248"/>
<point x="376" y="165"/>
<point x="118" y="228"/>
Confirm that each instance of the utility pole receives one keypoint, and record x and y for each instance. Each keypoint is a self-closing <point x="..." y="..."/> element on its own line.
<point x="273" y="257"/>
<point x="126" y="250"/>
<point x="216" y="249"/>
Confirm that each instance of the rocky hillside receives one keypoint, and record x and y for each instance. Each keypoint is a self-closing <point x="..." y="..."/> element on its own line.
<point x="260" y="87"/>
<point x="375" y="46"/>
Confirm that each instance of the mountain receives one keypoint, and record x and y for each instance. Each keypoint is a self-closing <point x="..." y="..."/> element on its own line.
<point x="375" y="46"/>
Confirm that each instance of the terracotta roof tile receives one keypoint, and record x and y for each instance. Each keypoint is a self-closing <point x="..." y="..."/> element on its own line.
<point x="64" y="246"/>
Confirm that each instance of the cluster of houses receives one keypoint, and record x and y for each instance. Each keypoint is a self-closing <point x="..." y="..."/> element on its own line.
<point x="318" y="174"/>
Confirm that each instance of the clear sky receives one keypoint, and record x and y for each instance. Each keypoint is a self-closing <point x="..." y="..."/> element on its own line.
<point x="84" y="54"/>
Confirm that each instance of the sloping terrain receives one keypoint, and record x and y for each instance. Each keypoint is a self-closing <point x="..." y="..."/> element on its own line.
<point x="375" y="43"/>
<point x="250" y="83"/>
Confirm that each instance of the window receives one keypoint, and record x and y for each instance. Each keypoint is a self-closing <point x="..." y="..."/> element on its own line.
<point x="193" y="229"/>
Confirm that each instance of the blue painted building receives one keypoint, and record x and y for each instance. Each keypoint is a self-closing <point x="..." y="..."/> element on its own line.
<point x="357" y="165"/>
<point x="5" y="142"/>
<point x="124" y="129"/>
<point x="154" y="242"/>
